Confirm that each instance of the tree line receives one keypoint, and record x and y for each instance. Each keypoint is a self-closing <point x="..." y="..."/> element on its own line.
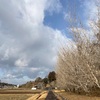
<point x="78" y="66"/>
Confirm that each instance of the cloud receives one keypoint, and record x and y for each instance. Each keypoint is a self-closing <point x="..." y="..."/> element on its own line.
<point x="53" y="6"/>
<point x="91" y="10"/>
<point x="21" y="62"/>
<point x="27" y="47"/>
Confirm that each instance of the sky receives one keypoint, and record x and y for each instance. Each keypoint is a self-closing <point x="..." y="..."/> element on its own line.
<point x="30" y="31"/>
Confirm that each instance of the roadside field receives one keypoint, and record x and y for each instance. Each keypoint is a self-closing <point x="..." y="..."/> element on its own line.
<point x="17" y="94"/>
<point x="72" y="96"/>
<point x="19" y="91"/>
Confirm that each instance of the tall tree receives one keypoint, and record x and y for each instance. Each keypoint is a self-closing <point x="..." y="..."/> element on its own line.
<point x="52" y="76"/>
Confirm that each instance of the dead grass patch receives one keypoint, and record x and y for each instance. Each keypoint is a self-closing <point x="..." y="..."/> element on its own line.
<point x="14" y="96"/>
<point x="72" y="96"/>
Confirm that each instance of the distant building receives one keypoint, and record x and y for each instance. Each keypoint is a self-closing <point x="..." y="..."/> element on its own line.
<point x="33" y="88"/>
<point x="18" y="86"/>
<point x="39" y="85"/>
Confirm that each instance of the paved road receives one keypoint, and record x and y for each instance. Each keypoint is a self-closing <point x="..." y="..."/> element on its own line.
<point x="51" y="96"/>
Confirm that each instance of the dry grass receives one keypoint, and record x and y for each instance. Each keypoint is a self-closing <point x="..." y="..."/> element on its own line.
<point x="40" y="96"/>
<point x="19" y="91"/>
<point x="17" y="94"/>
<point x="43" y="96"/>
<point x="72" y="96"/>
<point x="14" y="96"/>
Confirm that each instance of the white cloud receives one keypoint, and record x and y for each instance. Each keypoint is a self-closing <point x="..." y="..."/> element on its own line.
<point x="21" y="63"/>
<point x="91" y="9"/>
<point x="53" y="6"/>
<point x="27" y="47"/>
<point x="68" y="17"/>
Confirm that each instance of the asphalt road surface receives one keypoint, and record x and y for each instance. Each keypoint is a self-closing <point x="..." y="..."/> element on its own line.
<point x="51" y="96"/>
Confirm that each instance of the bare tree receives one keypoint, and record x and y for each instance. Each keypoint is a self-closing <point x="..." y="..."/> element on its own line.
<point x="78" y="67"/>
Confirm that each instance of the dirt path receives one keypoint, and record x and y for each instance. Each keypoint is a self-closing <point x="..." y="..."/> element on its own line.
<point x="51" y="96"/>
